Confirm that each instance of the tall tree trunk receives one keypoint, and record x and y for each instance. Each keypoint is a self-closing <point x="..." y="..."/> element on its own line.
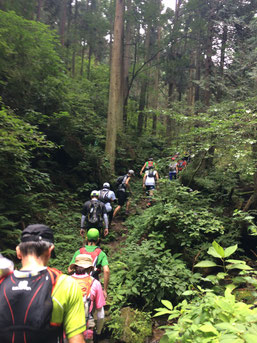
<point x="168" y="119"/>
<point x="74" y="39"/>
<point x="63" y="19"/>
<point x="144" y="84"/>
<point x="127" y="58"/>
<point x="222" y="57"/>
<point x="39" y="9"/>
<point x="156" y="79"/>
<point x="208" y="60"/>
<point x="115" y="107"/>
<point x="82" y="58"/>
<point x="191" y="89"/>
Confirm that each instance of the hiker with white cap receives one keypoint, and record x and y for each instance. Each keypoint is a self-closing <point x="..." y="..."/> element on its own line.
<point x="93" y="296"/>
<point x="107" y="196"/>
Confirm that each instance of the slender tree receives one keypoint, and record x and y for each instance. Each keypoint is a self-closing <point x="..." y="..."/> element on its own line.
<point x="115" y="107"/>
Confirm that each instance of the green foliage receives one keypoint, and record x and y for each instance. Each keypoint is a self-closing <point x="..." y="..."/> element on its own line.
<point x="147" y="273"/>
<point x="30" y="68"/>
<point x="130" y="325"/>
<point x="211" y="318"/>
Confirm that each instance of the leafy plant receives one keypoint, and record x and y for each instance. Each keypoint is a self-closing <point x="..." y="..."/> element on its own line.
<point x="210" y="318"/>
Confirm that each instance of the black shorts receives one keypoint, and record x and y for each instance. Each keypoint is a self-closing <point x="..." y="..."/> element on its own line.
<point x="97" y="226"/>
<point x="122" y="197"/>
<point x="149" y="188"/>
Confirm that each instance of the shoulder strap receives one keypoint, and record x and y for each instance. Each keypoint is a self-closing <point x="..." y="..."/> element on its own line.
<point x="83" y="250"/>
<point x="54" y="275"/>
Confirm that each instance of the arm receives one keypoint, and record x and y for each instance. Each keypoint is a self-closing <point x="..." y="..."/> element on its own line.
<point x="143" y="168"/>
<point x="144" y="181"/>
<point x="127" y="183"/>
<point x="106" y="271"/>
<point x="77" y="339"/>
<point x="100" y="320"/>
<point x="157" y="176"/>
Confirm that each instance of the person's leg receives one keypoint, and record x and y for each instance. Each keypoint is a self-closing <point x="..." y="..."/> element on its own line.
<point x="110" y="216"/>
<point x="117" y="209"/>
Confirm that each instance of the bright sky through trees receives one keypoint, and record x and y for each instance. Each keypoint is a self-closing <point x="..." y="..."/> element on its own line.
<point x="169" y="3"/>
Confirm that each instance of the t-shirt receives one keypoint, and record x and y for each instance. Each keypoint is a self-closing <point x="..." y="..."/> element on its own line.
<point x="150" y="181"/>
<point x="68" y="307"/>
<point x="111" y="196"/>
<point x="172" y="166"/>
<point x="96" y="293"/>
<point x="101" y="259"/>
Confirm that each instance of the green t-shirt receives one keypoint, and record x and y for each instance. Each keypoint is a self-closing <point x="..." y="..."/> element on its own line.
<point x="101" y="259"/>
<point x="68" y="306"/>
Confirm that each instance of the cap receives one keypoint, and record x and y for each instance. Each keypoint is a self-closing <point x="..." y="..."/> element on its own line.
<point x="93" y="234"/>
<point x="83" y="260"/>
<point x="94" y="194"/>
<point x="106" y="185"/>
<point x="37" y="233"/>
<point x="131" y="172"/>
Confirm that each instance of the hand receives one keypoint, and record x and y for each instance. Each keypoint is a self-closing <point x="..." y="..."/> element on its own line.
<point x="82" y="232"/>
<point x="106" y="231"/>
<point x="105" y="294"/>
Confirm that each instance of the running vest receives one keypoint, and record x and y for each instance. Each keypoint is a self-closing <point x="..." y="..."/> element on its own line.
<point x="94" y="254"/>
<point x="26" y="308"/>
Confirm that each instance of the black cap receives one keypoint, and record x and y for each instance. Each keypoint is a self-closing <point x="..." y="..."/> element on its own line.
<point x="37" y="233"/>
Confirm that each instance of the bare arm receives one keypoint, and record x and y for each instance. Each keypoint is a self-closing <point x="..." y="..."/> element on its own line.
<point x="143" y="168"/>
<point x="144" y="180"/>
<point x="77" y="339"/>
<point x="157" y="176"/>
<point x="106" y="271"/>
<point x="127" y="183"/>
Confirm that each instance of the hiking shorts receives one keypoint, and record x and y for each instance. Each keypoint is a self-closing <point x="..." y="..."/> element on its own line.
<point x="122" y="197"/>
<point x="149" y="188"/>
<point x="98" y="226"/>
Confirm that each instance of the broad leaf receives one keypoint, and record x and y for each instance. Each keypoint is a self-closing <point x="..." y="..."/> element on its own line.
<point x="239" y="266"/>
<point x="206" y="264"/>
<point x="168" y="304"/>
<point x="218" y="249"/>
<point x="208" y="327"/>
<point x="230" y="250"/>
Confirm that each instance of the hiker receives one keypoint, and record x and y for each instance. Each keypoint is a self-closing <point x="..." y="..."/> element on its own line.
<point x="99" y="257"/>
<point x="149" y="182"/>
<point x="181" y="165"/>
<point x="93" y="296"/>
<point x="173" y="169"/>
<point x="94" y="214"/>
<point x="147" y="165"/>
<point x="122" y="193"/>
<point x="107" y="197"/>
<point x="38" y="302"/>
<point x="6" y="266"/>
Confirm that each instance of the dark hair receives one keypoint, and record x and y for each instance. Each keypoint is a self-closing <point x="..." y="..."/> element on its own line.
<point x="34" y="248"/>
<point x="82" y="270"/>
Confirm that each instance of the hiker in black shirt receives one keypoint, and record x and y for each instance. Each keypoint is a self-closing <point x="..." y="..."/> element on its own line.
<point x="94" y="215"/>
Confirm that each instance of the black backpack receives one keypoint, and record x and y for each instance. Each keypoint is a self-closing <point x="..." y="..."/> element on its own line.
<point x="104" y="196"/>
<point x="95" y="213"/>
<point x="120" y="182"/>
<point x="26" y="308"/>
<point x="151" y="173"/>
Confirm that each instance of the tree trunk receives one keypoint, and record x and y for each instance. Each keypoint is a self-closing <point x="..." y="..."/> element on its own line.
<point x="208" y="60"/>
<point x="39" y="9"/>
<point x="144" y="84"/>
<point x="74" y="40"/>
<point x="127" y="57"/>
<point x="63" y="19"/>
<point x="82" y="58"/>
<point x="222" y="58"/>
<point x="115" y="107"/>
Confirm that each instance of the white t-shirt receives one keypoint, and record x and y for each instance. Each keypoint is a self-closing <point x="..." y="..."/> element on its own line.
<point x="150" y="181"/>
<point x="112" y="197"/>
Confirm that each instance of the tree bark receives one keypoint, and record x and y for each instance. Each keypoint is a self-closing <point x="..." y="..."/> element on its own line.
<point x="63" y="20"/>
<point x="144" y="84"/>
<point x="252" y="202"/>
<point x="39" y="9"/>
<point x="127" y="59"/>
<point x="115" y="107"/>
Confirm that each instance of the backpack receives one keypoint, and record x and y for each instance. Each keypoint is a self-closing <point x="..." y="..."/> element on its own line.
<point x="94" y="254"/>
<point x="104" y="196"/>
<point x="121" y="182"/>
<point x="95" y="213"/>
<point x="149" y="164"/>
<point x="181" y="165"/>
<point x="151" y="173"/>
<point x="26" y="308"/>
<point x="85" y="284"/>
